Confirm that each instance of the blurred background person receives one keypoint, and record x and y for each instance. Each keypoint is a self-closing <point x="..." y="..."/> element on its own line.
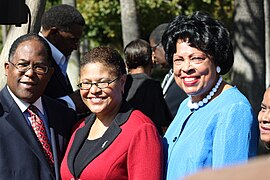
<point x="215" y="126"/>
<point x="172" y="93"/>
<point x="264" y="119"/>
<point x="62" y="27"/>
<point x="114" y="141"/>
<point x="141" y="91"/>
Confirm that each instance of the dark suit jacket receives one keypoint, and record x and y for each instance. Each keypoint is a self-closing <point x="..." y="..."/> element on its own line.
<point x="173" y="97"/>
<point x="58" y="85"/>
<point x="21" y="155"/>
<point x="145" y="94"/>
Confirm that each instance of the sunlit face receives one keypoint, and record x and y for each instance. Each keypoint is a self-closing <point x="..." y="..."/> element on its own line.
<point x="102" y="101"/>
<point x="264" y="117"/>
<point x="193" y="70"/>
<point x="29" y="85"/>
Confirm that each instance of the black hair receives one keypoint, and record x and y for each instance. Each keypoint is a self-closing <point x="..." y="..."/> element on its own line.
<point x="138" y="53"/>
<point x="202" y="32"/>
<point x="157" y="33"/>
<point x="106" y="56"/>
<point x="29" y="37"/>
<point x="62" y="17"/>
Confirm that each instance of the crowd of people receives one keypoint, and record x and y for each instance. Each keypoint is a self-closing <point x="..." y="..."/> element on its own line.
<point x="121" y="123"/>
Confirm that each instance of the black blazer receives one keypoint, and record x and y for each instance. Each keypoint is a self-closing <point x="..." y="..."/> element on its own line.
<point x="145" y="94"/>
<point x="58" y="85"/>
<point x="21" y="156"/>
<point x="173" y="97"/>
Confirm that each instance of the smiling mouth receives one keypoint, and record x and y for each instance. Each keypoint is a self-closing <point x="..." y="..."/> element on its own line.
<point x="190" y="81"/>
<point x="265" y="129"/>
<point x="96" y="99"/>
<point x="28" y="83"/>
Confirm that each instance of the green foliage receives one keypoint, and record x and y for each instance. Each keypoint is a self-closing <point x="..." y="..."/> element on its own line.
<point x="51" y="3"/>
<point x="103" y="17"/>
<point x="103" y="21"/>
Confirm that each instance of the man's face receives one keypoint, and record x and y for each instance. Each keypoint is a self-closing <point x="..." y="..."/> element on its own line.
<point x="29" y="85"/>
<point x="158" y="54"/>
<point x="66" y="42"/>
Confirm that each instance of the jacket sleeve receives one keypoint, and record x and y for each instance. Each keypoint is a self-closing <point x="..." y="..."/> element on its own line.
<point x="145" y="156"/>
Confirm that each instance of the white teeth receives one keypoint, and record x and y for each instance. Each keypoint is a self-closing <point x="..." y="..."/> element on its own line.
<point x="189" y="79"/>
<point x="96" y="99"/>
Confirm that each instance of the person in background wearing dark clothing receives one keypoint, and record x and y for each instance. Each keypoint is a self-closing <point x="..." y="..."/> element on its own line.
<point x="172" y="93"/>
<point x="114" y="141"/>
<point x="34" y="129"/>
<point x="141" y="91"/>
<point x="62" y="27"/>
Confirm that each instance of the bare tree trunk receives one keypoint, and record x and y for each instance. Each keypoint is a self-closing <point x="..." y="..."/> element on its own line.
<point x="130" y="25"/>
<point x="69" y="2"/>
<point x="249" y="67"/>
<point x="36" y="9"/>
<point x="4" y="33"/>
<point x="267" y="41"/>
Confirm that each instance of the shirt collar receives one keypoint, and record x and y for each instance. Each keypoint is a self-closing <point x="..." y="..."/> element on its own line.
<point x="57" y="55"/>
<point x="24" y="105"/>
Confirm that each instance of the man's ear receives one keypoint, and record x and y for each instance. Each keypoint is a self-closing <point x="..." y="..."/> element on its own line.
<point x="53" y="31"/>
<point x="51" y="34"/>
<point x="6" y="66"/>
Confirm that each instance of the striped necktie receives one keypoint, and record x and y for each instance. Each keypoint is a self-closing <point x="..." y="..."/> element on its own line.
<point x="40" y="131"/>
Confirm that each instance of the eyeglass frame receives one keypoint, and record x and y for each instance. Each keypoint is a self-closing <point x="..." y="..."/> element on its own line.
<point x="155" y="47"/>
<point x="31" y="67"/>
<point x="96" y="84"/>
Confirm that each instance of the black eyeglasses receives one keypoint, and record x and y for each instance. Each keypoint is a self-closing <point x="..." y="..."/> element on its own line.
<point x="100" y="85"/>
<point x="24" y="67"/>
<point x="155" y="47"/>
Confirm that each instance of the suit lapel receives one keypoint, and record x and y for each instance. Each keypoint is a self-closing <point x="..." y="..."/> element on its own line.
<point x="61" y="79"/>
<point x="103" y="143"/>
<point x="17" y="120"/>
<point x="80" y="136"/>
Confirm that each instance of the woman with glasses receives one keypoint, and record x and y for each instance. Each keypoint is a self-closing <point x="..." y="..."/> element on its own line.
<point x="115" y="141"/>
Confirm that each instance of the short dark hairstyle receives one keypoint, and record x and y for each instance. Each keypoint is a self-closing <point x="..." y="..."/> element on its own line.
<point x="202" y="32"/>
<point x="138" y="53"/>
<point x="29" y="37"/>
<point x="106" y="56"/>
<point x="157" y="33"/>
<point x="62" y="17"/>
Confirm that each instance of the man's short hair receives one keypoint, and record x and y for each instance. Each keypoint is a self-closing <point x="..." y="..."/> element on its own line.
<point x="157" y="33"/>
<point x="62" y="17"/>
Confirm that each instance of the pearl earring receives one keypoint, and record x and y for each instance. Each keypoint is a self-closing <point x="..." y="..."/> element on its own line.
<point x="218" y="69"/>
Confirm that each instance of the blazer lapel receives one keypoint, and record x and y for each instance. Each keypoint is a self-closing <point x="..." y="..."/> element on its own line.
<point x="61" y="79"/>
<point x="17" y="120"/>
<point x="80" y="136"/>
<point x="103" y="143"/>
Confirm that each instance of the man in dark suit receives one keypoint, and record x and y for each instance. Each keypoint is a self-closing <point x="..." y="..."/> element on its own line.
<point x="22" y="152"/>
<point x="62" y="27"/>
<point x="172" y="93"/>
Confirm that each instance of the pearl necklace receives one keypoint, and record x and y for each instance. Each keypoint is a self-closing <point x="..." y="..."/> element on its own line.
<point x="205" y="100"/>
